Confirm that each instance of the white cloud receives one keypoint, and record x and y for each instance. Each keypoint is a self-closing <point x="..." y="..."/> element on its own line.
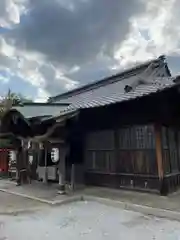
<point x="33" y="68"/>
<point x="67" y="36"/>
<point x="10" y="12"/>
<point x="42" y="96"/>
<point x="30" y="66"/>
<point x="162" y="24"/>
<point x="3" y="79"/>
<point x="160" y="21"/>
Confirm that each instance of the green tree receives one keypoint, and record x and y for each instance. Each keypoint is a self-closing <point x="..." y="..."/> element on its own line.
<point x="6" y="104"/>
<point x="11" y="99"/>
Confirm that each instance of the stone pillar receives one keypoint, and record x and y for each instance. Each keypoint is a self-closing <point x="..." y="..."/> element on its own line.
<point x="62" y="168"/>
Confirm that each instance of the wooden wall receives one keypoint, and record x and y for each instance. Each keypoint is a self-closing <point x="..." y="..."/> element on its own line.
<point x="171" y="149"/>
<point x="171" y="157"/>
<point x="128" y="153"/>
<point x="120" y="143"/>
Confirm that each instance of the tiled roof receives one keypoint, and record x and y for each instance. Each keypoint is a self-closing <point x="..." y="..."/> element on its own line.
<point x="105" y="96"/>
<point x="152" y="77"/>
<point x="132" y="73"/>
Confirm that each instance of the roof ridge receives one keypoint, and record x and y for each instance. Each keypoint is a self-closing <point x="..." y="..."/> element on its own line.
<point x="128" y="72"/>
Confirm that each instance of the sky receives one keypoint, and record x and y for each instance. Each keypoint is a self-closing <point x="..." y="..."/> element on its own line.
<point x="51" y="46"/>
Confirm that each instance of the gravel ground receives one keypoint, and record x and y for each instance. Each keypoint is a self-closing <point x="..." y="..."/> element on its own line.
<point x="86" y="220"/>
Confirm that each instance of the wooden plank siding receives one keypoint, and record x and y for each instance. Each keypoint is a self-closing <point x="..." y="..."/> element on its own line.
<point x="132" y="149"/>
<point x="139" y="157"/>
<point x="100" y="151"/>
<point x="171" y="157"/>
<point x="170" y="147"/>
<point x="128" y="161"/>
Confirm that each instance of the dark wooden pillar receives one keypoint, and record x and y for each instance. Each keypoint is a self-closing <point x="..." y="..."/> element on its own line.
<point x="72" y="176"/>
<point x="21" y="175"/>
<point x="45" y="162"/>
<point x="159" y="158"/>
<point x="62" y="168"/>
<point x="116" y="155"/>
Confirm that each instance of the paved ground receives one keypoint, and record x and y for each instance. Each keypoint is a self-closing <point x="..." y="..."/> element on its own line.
<point x="144" y="203"/>
<point x="50" y="193"/>
<point x="23" y="218"/>
<point x="170" y="202"/>
<point x="12" y="203"/>
<point x="86" y="220"/>
<point x="36" y="190"/>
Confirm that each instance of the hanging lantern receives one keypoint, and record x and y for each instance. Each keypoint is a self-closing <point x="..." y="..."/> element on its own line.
<point x="55" y="155"/>
<point x="12" y="156"/>
<point x="29" y="145"/>
<point x="30" y="159"/>
<point x="41" y="146"/>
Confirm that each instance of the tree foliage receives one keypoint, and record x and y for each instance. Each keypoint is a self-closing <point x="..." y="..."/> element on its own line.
<point x="11" y="99"/>
<point x="6" y="103"/>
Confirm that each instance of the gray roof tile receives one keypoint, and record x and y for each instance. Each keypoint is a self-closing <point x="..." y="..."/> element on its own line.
<point x="153" y="68"/>
<point x="112" y="90"/>
<point x="102" y="96"/>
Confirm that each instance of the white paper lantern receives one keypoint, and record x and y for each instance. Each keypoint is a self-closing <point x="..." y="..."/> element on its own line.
<point x="30" y="159"/>
<point x="55" y="155"/>
<point x="12" y="155"/>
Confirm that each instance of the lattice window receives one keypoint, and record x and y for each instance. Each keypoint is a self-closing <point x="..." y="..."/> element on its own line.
<point x="137" y="152"/>
<point x="137" y="137"/>
<point x="140" y="137"/>
<point x="150" y="137"/>
<point x="172" y="138"/>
